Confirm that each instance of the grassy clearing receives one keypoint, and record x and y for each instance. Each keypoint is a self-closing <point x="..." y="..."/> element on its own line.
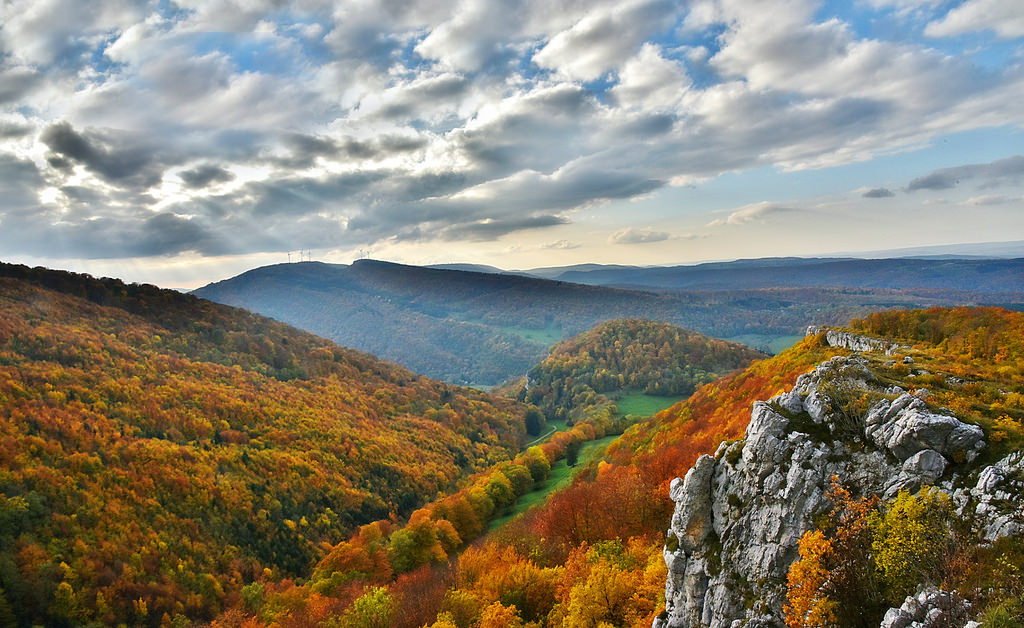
<point x="561" y="476"/>
<point x="774" y="344"/>
<point x="639" y="404"/>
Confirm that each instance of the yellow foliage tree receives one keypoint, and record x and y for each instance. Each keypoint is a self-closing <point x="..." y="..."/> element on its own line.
<point x="498" y="615"/>
<point x="911" y="540"/>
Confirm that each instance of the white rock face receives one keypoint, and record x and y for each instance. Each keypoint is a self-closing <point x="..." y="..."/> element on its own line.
<point x="930" y="608"/>
<point x="855" y="342"/>
<point x="739" y="514"/>
<point x="906" y="426"/>
<point x="998" y="498"/>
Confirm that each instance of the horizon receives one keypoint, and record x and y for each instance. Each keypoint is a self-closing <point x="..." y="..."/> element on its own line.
<point x="1013" y="249"/>
<point x="179" y="143"/>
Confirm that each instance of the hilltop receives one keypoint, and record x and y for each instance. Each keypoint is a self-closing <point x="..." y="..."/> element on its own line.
<point x="628" y="357"/>
<point x="160" y="450"/>
<point x="484" y="328"/>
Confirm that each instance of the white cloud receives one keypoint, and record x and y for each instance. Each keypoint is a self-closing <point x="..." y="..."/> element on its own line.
<point x="560" y="245"/>
<point x="630" y="235"/>
<point x="650" y="81"/>
<point x="988" y="199"/>
<point x="757" y="212"/>
<point x="1004" y="17"/>
<point x="603" y="38"/>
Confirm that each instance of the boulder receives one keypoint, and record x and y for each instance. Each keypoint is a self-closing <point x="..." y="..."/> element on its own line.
<point x="906" y="426"/>
<point x="931" y="608"/>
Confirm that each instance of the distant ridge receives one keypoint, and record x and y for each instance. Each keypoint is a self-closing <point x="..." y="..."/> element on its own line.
<point x="472" y="327"/>
<point x="473" y="268"/>
<point x="985" y="275"/>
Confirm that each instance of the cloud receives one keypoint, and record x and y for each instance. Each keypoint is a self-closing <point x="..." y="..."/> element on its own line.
<point x="648" y="80"/>
<point x="16" y="82"/>
<point x="757" y="212"/>
<point x="988" y="199"/>
<point x="629" y="235"/>
<point x="994" y="173"/>
<point x="489" y="229"/>
<point x="1005" y="19"/>
<point x="878" y="193"/>
<point x="115" y="159"/>
<point x="601" y="39"/>
<point x="560" y="245"/>
<point x="202" y="176"/>
<point x="260" y="126"/>
<point x="419" y="98"/>
<point x="13" y="128"/>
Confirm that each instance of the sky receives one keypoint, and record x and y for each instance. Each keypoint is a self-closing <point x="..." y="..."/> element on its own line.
<point x="178" y="142"/>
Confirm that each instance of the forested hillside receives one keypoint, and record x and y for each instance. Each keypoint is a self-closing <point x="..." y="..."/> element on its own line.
<point x="628" y="355"/>
<point x="159" y="451"/>
<point x="484" y="328"/>
<point x="401" y="569"/>
<point x="593" y="552"/>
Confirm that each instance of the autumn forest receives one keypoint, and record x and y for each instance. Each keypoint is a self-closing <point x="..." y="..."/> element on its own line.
<point x="169" y="461"/>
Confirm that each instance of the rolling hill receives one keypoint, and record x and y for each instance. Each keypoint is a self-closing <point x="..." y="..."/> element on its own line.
<point x="628" y="356"/>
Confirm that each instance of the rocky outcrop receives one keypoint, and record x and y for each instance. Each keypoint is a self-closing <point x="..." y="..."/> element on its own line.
<point x="996" y="498"/>
<point x="740" y="513"/>
<point x="855" y="342"/>
<point x="906" y="427"/>
<point x="930" y="608"/>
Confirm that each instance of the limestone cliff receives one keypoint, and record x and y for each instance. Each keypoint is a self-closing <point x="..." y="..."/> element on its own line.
<point x="740" y="513"/>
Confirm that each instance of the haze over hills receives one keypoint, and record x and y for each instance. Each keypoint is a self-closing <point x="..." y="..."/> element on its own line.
<point x="983" y="275"/>
<point x="482" y="328"/>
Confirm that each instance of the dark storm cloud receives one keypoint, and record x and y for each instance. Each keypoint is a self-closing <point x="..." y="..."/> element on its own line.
<point x="994" y="173"/>
<point x="202" y="176"/>
<point x="879" y="193"/>
<point x="126" y="164"/>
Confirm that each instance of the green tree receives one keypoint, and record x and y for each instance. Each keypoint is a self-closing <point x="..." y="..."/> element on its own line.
<point x="373" y="609"/>
<point x="534" y="421"/>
